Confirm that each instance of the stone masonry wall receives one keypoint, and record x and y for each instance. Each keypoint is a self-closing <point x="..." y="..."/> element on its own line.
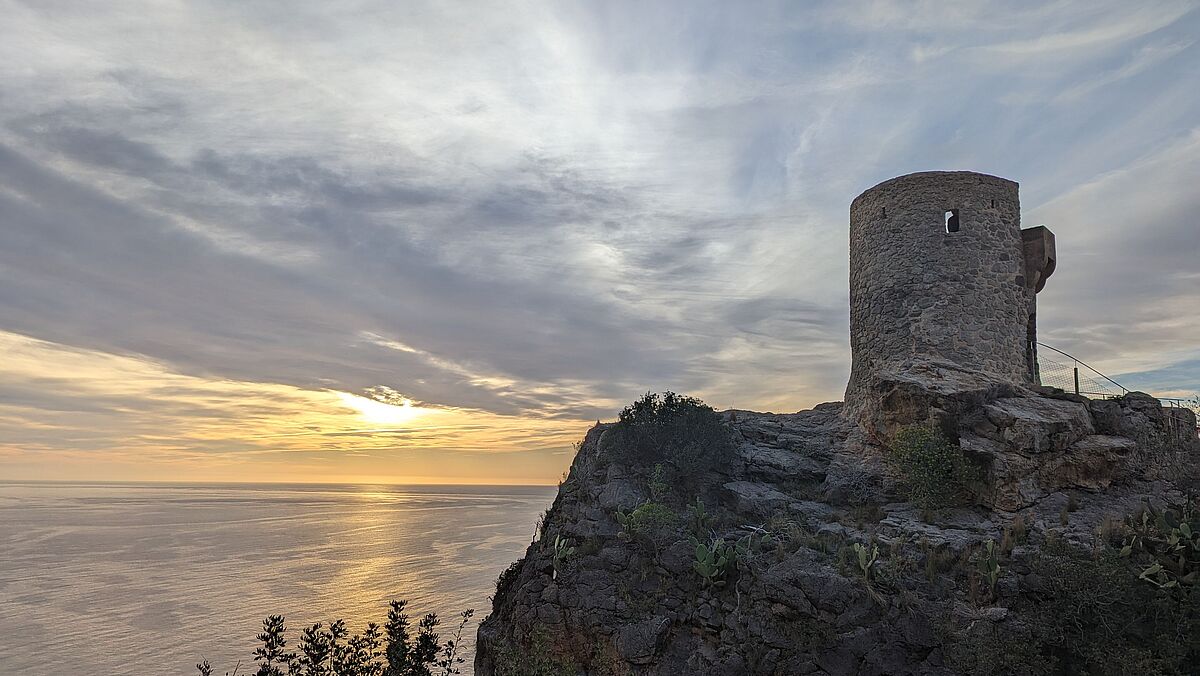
<point x="917" y="290"/>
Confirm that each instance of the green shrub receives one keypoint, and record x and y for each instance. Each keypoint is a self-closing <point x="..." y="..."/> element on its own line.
<point x="866" y="557"/>
<point x="564" y="549"/>
<point x="537" y="658"/>
<point x="988" y="649"/>
<point x="936" y="472"/>
<point x="1086" y="612"/>
<point x="658" y="483"/>
<point x="649" y="519"/>
<point x="1167" y="542"/>
<point x="647" y="525"/>
<point x="1093" y="616"/>
<point x="713" y="562"/>
<point x="679" y="431"/>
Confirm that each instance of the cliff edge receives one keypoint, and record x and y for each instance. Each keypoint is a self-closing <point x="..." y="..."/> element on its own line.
<point x="968" y="526"/>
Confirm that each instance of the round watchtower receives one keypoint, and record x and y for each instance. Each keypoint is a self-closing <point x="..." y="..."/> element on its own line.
<point x="938" y="271"/>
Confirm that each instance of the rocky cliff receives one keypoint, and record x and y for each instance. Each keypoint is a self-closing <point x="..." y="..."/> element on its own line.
<point x="810" y="543"/>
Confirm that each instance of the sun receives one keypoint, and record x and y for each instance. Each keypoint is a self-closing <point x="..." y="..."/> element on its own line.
<point x="379" y="413"/>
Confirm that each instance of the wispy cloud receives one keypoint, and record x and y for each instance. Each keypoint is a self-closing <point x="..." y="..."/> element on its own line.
<point x="1074" y="29"/>
<point x="1142" y="60"/>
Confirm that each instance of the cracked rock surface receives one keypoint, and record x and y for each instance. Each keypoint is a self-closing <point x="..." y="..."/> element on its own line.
<point x="819" y="482"/>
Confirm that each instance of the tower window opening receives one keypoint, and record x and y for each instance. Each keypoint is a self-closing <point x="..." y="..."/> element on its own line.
<point x="952" y="220"/>
<point x="993" y="204"/>
<point x="883" y="212"/>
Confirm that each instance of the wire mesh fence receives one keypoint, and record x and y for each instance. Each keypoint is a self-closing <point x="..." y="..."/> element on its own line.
<point x="1059" y="369"/>
<point x="1072" y="377"/>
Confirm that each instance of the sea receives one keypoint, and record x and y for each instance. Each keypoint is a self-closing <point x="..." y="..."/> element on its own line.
<point x="150" y="578"/>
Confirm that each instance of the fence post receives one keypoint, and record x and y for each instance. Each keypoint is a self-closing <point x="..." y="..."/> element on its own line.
<point x="1076" y="370"/>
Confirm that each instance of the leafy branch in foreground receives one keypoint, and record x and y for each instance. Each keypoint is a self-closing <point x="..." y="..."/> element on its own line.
<point x="332" y="651"/>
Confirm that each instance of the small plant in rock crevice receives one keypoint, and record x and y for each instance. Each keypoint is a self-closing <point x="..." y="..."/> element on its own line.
<point x="539" y="527"/>
<point x="757" y="540"/>
<point x="987" y="564"/>
<point x="938" y="560"/>
<point x="713" y="562"/>
<point x="1014" y="534"/>
<point x="505" y="581"/>
<point x="564" y="549"/>
<point x="936" y="472"/>
<point x="647" y="526"/>
<point x="718" y="558"/>
<point x="699" y="522"/>
<point x="867" y="557"/>
<point x="1169" y="541"/>
<point x="657" y="483"/>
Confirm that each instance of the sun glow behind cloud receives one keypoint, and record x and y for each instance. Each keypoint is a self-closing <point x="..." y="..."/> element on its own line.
<point x="382" y="413"/>
<point x="70" y="413"/>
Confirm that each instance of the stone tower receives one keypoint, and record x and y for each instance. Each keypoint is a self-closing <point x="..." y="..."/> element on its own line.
<point x="941" y="271"/>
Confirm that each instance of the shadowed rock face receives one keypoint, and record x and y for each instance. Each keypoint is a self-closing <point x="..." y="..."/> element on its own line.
<point x="819" y="483"/>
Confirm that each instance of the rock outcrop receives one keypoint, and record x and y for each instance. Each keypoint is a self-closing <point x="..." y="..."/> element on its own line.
<point x="799" y="499"/>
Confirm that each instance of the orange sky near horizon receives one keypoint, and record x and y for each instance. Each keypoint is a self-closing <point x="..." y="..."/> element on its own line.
<point x="98" y="416"/>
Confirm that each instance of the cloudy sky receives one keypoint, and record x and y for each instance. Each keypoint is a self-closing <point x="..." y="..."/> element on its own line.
<point x="406" y="241"/>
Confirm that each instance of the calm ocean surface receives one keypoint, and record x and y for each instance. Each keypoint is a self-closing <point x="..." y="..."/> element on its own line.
<point x="102" y="579"/>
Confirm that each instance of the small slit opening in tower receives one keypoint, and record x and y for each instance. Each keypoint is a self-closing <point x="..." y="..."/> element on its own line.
<point x="952" y="220"/>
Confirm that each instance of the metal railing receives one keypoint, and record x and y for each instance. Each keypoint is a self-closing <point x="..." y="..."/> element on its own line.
<point x="1071" y="374"/>
<point x="1075" y="376"/>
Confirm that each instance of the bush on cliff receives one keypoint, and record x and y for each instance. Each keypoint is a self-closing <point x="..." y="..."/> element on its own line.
<point x="936" y="472"/>
<point x="670" y="428"/>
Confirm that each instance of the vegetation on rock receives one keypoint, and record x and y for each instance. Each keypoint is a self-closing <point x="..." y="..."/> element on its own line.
<point x="797" y="555"/>
<point x="713" y="561"/>
<point x="563" y="551"/>
<point x="936" y="472"/>
<point x="647" y="525"/>
<point x="1086" y="611"/>
<point x="682" y="433"/>
<point x="1169" y="540"/>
